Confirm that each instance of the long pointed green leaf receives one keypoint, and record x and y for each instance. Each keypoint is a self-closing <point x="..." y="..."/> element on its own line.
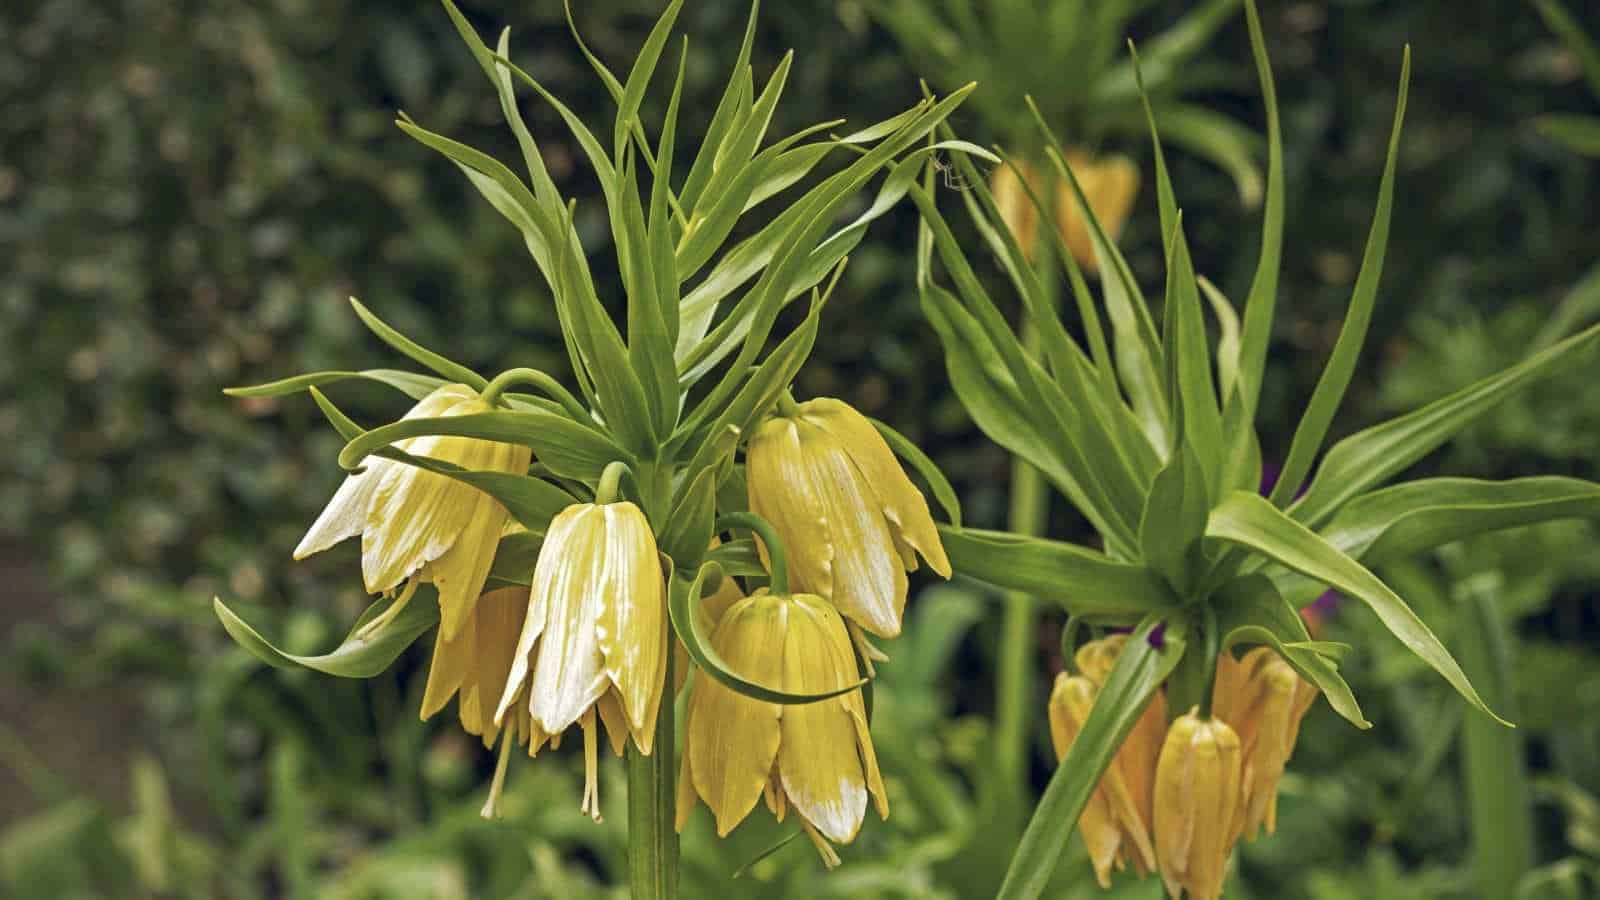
<point x="644" y="66"/>
<point x="1341" y="366"/>
<point x="1368" y="457"/>
<point x="453" y="371"/>
<point x="569" y="449"/>
<point x="1251" y="521"/>
<point x="1263" y="296"/>
<point x="1083" y="581"/>
<point x="1401" y="521"/>
<point x="1134" y="679"/>
<point x="409" y="383"/>
<point x="358" y="655"/>
<point x="1188" y="358"/>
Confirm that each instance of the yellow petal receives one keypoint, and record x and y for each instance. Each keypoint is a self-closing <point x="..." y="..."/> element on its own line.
<point x="1110" y="187"/>
<point x="869" y="578"/>
<point x="416" y="515"/>
<point x="734" y="739"/>
<point x="568" y="578"/>
<point x="818" y="760"/>
<point x="632" y="620"/>
<point x="1012" y="202"/>
<point x="451" y="659"/>
<point x="346" y="514"/>
<point x="780" y="491"/>
<point x="902" y="504"/>
<point x="1197" y="793"/>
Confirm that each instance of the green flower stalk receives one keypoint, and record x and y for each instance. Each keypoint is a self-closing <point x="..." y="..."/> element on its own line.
<point x="573" y="529"/>
<point x="1147" y="428"/>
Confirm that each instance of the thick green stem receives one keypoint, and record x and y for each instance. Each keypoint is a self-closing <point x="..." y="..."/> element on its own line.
<point x="609" y="490"/>
<point x="652" y="795"/>
<point x="1497" y="790"/>
<point x="545" y="383"/>
<point x="777" y="560"/>
<point x="1014" y="680"/>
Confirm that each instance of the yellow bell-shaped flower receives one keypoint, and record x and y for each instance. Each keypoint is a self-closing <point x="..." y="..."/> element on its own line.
<point x="1116" y="822"/>
<point x="1011" y="200"/>
<point x="419" y="524"/>
<point x="1110" y="184"/>
<point x="1196" y="800"/>
<point x="815" y="757"/>
<point x="476" y="662"/>
<point x="594" y="641"/>
<point x="1264" y="699"/>
<point x="851" y="520"/>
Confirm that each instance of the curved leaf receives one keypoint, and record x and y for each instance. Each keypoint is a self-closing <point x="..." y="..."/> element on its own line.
<point x="569" y="449"/>
<point x="688" y="626"/>
<point x="1252" y="611"/>
<point x="449" y="369"/>
<point x="1318" y="415"/>
<point x="514" y="559"/>
<point x="409" y="383"/>
<point x="1419" y="515"/>
<point x="358" y="656"/>
<point x="1134" y="679"/>
<point x="1082" y="581"/>
<point x="738" y="557"/>
<point x="1250" y="520"/>
<point x="1368" y="457"/>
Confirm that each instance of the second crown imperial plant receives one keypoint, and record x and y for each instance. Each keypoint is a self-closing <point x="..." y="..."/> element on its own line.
<point x="666" y="519"/>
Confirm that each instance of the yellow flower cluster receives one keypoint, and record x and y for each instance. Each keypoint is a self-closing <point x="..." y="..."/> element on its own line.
<point x="1176" y="798"/>
<point x="587" y="643"/>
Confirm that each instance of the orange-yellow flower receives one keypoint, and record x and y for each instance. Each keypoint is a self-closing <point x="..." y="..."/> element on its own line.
<point x="1196" y="799"/>
<point x="419" y="524"/>
<point x="1116" y="822"/>
<point x="1109" y="183"/>
<point x="1265" y="700"/>
<point x="850" y="519"/>
<point x="816" y="758"/>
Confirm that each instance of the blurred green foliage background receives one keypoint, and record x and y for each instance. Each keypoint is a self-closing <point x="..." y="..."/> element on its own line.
<point x="190" y="188"/>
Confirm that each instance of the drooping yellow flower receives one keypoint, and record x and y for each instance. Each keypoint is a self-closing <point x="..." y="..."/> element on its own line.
<point x="851" y="520"/>
<point x="1011" y="200"/>
<point x="1116" y="822"/>
<point x="476" y="663"/>
<point x="1196" y="799"/>
<point x="815" y="757"/>
<point x="423" y="525"/>
<point x="1264" y="699"/>
<point x="595" y="638"/>
<point x="1109" y="183"/>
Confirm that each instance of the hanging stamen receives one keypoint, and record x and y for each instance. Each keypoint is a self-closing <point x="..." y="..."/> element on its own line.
<point x="394" y="609"/>
<point x="491" y="806"/>
<point x="865" y="650"/>
<point x="824" y="849"/>
<point x="591" y="766"/>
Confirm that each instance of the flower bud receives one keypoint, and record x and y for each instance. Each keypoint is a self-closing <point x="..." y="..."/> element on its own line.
<point x="1196" y="799"/>
<point x="851" y="521"/>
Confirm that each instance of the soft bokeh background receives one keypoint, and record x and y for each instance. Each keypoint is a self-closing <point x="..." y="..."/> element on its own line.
<point x="190" y="188"/>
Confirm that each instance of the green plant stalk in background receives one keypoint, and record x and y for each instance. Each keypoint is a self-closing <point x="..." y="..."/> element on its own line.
<point x="1493" y="770"/>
